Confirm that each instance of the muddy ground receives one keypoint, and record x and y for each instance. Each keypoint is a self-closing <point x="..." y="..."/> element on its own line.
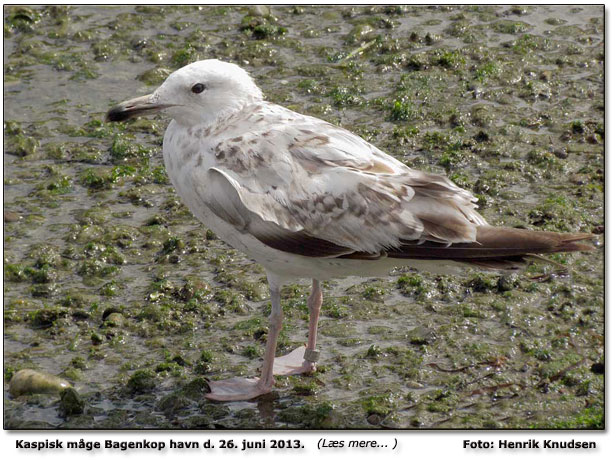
<point x="110" y="283"/>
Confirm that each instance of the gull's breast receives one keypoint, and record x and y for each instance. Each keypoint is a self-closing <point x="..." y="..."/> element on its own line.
<point x="188" y="155"/>
<point x="186" y="150"/>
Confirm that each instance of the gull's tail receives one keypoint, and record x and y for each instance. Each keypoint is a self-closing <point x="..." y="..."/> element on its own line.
<point x="496" y="247"/>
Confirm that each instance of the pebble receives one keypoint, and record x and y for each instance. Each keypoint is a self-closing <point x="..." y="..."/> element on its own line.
<point x="560" y="153"/>
<point x="29" y="381"/>
<point x="422" y="336"/>
<point x="114" y="320"/>
<point x="10" y="216"/>
<point x="260" y="10"/>
<point x="578" y="179"/>
<point x="70" y="403"/>
<point x="414" y="385"/>
<point x="506" y="283"/>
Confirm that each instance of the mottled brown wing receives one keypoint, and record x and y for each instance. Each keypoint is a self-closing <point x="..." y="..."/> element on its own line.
<point x="222" y="196"/>
<point x="304" y="174"/>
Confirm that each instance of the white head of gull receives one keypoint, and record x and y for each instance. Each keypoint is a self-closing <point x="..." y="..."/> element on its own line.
<point x="307" y="199"/>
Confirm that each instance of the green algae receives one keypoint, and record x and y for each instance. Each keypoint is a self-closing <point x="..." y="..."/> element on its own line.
<point x="71" y="403"/>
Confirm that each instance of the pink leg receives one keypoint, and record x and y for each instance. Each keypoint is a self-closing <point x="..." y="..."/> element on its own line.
<point x="314" y="304"/>
<point x="296" y="362"/>
<point x="238" y="389"/>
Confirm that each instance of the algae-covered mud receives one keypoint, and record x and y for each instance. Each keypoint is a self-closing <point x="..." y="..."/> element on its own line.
<point x="112" y="285"/>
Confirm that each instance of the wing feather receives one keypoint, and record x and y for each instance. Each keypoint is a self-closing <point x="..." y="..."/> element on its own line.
<point x="297" y="180"/>
<point x="248" y="213"/>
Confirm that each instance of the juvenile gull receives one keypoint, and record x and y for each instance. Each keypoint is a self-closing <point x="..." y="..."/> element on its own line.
<point x="307" y="199"/>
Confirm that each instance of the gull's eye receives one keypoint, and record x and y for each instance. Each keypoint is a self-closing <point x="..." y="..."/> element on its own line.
<point x="198" y="88"/>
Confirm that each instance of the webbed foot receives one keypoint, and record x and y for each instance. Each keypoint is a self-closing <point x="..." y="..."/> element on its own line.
<point x="294" y="363"/>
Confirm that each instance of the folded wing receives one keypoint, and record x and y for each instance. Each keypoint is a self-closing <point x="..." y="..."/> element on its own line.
<point x="307" y="187"/>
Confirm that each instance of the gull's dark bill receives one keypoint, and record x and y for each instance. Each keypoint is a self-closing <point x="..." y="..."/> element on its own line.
<point x="132" y="108"/>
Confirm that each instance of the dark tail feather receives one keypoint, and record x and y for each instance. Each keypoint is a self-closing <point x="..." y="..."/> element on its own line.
<point x="519" y="241"/>
<point x="496" y="247"/>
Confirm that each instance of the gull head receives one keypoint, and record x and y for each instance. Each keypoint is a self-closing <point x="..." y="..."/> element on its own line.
<point x="197" y="94"/>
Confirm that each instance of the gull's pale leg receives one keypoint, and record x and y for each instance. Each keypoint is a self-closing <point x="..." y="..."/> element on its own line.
<point x="238" y="389"/>
<point x="314" y="304"/>
<point x="295" y="362"/>
<point x="267" y="373"/>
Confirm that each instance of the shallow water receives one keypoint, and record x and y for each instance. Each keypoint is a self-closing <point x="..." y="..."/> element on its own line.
<point x="507" y="101"/>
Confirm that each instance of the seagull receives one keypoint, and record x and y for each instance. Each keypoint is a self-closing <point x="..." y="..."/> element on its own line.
<point x="307" y="199"/>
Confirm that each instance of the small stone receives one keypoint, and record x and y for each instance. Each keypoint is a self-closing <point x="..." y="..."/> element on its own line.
<point x="154" y="76"/>
<point x="505" y="283"/>
<point x="29" y="381"/>
<point x="260" y="10"/>
<point x="114" y="320"/>
<point x="10" y="216"/>
<point x="598" y="230"/>
<point x="96" y="339"/>
<point x="43" y="290"/>
<point x="358" y="33"/>
<point x="414" y="385"/>
<point x="139" y="43"/>
<point x="196" y="388"/>
<point x="482" y="136"/>
<point x="172" y="404"/>
<point x="519" y="10"/>
<point x="481" y="114"/>
<point x="592" y="139"/>
<point x="578" y="179"/>
<point x="560" y="153"/>
<point x="422" y="336"/>
<point x="415" y="422"/>
<point x="142" y="381"/>
<point x="109" y="311"/>
<point x="598" y="368"/>
<point x="70" y="403"/>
